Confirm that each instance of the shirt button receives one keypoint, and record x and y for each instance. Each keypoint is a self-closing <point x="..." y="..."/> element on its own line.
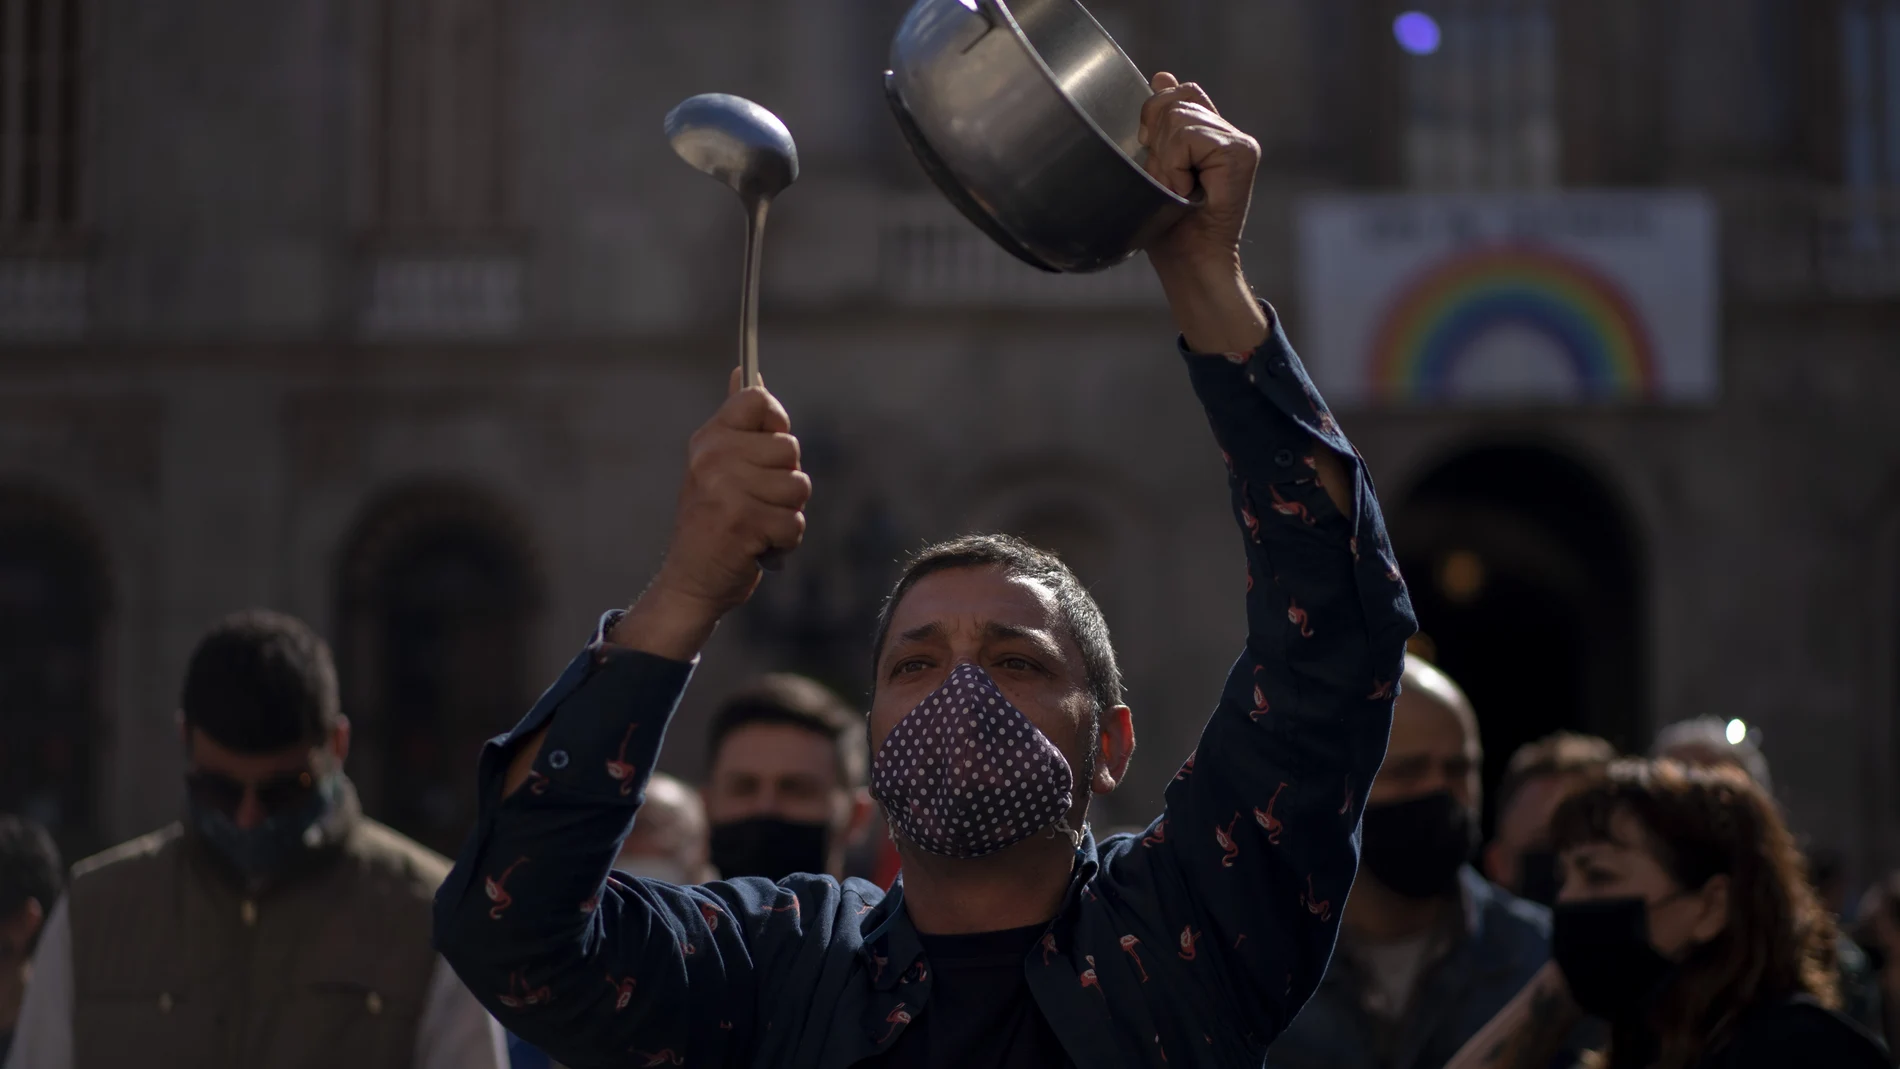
<point x="557" y="760"/>
<point x="1284" y="458"/>
<point x="1278" y="366"/>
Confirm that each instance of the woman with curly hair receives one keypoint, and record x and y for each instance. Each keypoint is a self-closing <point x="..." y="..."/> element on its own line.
<point x="1687" y="924"/>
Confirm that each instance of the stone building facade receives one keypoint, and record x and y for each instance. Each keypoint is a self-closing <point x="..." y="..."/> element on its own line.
<point x="396" y="314"/>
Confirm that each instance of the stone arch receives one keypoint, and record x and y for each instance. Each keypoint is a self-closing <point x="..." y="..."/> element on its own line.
<point x="438" y="590"/>
<point x="54" y="598"/>
<point x="1529" y="578"/>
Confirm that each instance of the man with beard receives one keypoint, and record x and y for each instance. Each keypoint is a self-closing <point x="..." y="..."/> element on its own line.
<point x="276" y="924"/>
<point x="1430" y="951"/>
<point x="1013" y="939"/>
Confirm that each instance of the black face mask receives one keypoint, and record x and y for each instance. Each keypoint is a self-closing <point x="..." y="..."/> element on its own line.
<point x="1417" y="846"/>
<point x="1604" y="952"/>
<point x="1537" y="877"/>
<point x="769" y="847"/>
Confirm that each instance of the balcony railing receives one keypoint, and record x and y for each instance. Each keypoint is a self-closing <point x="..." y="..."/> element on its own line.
<point x="930" y="256"/>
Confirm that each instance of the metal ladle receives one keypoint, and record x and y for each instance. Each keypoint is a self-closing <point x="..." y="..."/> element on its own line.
<point x="749" y="149"/>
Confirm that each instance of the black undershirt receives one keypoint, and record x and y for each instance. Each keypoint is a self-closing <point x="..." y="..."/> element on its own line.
<point x="980" y="1012"/>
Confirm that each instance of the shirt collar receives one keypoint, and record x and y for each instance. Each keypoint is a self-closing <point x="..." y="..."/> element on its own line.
<point x="890" y="946"/>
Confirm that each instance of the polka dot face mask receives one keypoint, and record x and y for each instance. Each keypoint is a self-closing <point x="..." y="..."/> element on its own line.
<point x="965" y="773"/>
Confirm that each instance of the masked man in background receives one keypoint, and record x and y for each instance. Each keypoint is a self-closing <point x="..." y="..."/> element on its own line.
<point x="276" y="923"/>
<point x="1012" y="938"/>
<point x="1430" y="950"/>
<point x="785" y="789"/>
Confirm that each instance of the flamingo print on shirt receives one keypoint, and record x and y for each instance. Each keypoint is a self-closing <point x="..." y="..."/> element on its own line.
<point x="897" y="1019"/>
<point x="1297" y="617"/>
<point x="1317" y="906"/>
<point x="1224" y="837"/>
<point x="1260" y="707"/>
<point x="1292" y="509"/>
<point x="1088" y="977"/>
<point x="497" y="888"/>
<point x="623" y="992"/>
<point x="618" y="768"/>
<point x="1048" y="946"/>
<point x="521" y="996"/>
<point x="1189" y="937"/>
<point x="1157" y="836"/>
<point x="1266" y="819"/>
<point x="1129" y="943"/>
<point x="711" y="913"/>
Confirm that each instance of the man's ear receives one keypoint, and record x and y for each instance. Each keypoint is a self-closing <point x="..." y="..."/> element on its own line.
<point x="339" y="745"/>
<point x="1115" y="749"/>
<point x="1711" y="910"/>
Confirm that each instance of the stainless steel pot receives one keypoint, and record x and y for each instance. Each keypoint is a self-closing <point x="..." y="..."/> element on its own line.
<point x="1026" y="114"/>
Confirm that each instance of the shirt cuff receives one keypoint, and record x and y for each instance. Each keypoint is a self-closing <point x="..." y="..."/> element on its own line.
<point x="606" y="718"/>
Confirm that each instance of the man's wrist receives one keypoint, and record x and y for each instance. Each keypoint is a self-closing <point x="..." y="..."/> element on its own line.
<point x="1213" y="305"/>
<point x="666" y="622"/>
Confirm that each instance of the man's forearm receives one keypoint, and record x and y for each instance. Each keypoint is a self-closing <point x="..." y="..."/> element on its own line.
<point x="1213" y="306"/>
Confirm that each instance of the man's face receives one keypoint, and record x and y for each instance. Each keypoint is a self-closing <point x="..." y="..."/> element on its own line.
<point x="1011" y="628"/>
<point x="1524" y="827"/>
<point x="252" y="787"/>
<point x="777" y="770"/>
<point x="1433" y="748"/>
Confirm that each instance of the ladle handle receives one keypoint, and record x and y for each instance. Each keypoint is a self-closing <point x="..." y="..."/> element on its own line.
<point x="771" y="560"/>
<point x="749" y="300"/>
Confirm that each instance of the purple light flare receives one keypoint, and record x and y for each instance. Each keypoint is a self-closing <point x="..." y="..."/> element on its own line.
<point x="1417" y="33"/>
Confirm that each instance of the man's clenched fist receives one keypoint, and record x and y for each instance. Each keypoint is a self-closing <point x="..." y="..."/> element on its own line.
<point x="743" y="498"/>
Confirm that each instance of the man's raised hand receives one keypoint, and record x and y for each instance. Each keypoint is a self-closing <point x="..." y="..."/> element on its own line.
<point x="1198" y="260"/>
<point x="743" y="497"/>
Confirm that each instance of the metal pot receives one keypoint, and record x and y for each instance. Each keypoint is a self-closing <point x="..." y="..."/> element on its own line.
<point x="1026" y="114"/>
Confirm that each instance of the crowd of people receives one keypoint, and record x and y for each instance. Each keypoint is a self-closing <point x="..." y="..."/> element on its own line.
<point x="1314" y="893"/>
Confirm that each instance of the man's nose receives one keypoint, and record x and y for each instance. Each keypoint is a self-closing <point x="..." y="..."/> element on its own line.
<point x="250" y="812"/>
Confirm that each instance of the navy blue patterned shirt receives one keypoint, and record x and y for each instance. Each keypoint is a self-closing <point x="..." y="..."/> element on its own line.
<point x="1193" y="943"/>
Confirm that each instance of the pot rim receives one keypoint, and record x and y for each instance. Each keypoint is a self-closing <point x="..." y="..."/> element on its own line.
<point x="1049" y="75"/>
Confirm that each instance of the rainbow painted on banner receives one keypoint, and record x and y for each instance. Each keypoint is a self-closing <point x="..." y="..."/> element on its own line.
<point x="1439" y="316"/>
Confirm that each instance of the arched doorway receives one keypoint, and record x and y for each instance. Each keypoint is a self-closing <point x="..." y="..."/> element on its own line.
<point x="53" y="601"/>
<point x="437" y="593"/>
<point x="1529" y="589"/>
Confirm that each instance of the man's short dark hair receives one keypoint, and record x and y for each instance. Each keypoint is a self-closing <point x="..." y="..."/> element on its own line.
<point x="802" y="702"/>
<point x="1562" y="753"/>
<point x="29" y="867"/>
<point x="260" y="682"/>
<point x="1081" y="617"/>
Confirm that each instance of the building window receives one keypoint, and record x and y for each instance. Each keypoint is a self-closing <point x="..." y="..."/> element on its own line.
<point x="441" y="105"/>
<point x="39" y="118"/>
<point x="1870" y="71"/>
<point x="442" y="265"/>
<point x="52" y="606"/>
<point x="1481" y="96"/>
<point x="434" y="629"/>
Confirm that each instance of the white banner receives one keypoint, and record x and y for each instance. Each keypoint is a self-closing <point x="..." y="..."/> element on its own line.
<point x="1565" y="298"/>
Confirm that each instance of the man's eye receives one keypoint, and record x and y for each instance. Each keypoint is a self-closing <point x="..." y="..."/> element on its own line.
<point x="1018" y="664"/>
<point x="913" y="664"/>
